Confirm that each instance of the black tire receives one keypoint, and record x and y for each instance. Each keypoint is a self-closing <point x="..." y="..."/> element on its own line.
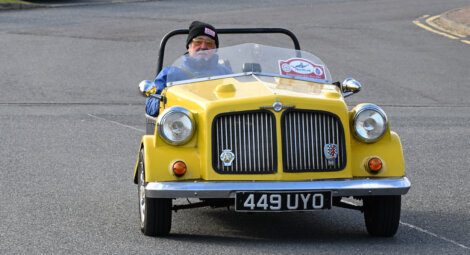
<point x="382" y="215"/>
<point x="155" y="213"/>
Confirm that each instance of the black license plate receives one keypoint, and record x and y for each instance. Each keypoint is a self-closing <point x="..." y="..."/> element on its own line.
<point x="262" y="201"/>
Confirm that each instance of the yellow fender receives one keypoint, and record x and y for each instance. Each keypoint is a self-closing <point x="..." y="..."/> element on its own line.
<point x="147" y="143"/>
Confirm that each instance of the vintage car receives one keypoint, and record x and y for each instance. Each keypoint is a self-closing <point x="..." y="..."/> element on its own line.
<point x="274" y="135"/>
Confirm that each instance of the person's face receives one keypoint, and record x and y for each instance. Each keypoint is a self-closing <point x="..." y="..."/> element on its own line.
<point x="201" y="43"/>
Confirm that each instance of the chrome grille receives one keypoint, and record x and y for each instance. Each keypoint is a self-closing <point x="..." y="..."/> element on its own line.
<point x="251" y="137"/>
<point x="305" y="134"/>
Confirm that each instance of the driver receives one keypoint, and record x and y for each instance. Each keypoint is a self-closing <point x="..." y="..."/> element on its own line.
<point x="199" y="61"/>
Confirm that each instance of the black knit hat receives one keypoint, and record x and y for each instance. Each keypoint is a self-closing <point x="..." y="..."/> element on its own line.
<point x="198" y="28"/>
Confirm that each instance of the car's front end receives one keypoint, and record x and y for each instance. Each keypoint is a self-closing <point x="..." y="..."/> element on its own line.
<point x="266" y="142"/>
<point x="255" y="135"/>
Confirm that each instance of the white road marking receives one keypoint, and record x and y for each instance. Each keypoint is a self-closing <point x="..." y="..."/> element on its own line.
<point x="426" y="231"/>
<point x="432" y="234"/>
<point x="117" y="123"/>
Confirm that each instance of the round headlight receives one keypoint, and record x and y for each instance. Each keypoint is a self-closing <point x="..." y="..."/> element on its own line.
<point x="176" y="125"/>
<point x="369" y="123"/>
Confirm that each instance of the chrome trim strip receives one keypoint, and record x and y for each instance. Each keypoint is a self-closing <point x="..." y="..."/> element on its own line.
<point x="318" y="133"/>
<point x="258" y="163"/>
<point x="294" y="131"/>
<point x="304" y="140"/>
<point x="262" y="143"/>
<point x="227" y="189"/>
<point x="244" y="142"/>
<point x="323" y="139"/>
<point x="250" y="142"/>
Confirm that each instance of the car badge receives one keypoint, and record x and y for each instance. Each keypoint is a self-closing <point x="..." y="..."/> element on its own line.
<point x="331" y="153"/>
<point x="227" y="157"/>
<point x="277" y="106"/>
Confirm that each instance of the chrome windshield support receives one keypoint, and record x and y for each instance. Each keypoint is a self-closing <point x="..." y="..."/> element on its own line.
<point x="161" y="53"/>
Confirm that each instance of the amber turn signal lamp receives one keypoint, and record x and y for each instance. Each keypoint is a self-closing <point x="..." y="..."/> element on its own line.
<point x="179" y="168"/>
<point x="375" y="165"/>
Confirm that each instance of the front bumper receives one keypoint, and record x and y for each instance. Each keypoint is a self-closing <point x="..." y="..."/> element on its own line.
<point x="227" y="189"/>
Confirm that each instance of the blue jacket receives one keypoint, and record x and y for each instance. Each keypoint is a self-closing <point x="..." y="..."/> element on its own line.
<point x="190" y="68"/>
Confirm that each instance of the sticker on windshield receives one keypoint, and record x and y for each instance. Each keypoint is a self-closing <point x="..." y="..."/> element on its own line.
<point x="301" y="67"/>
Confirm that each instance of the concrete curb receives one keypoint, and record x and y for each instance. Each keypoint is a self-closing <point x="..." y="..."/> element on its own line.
<point x="448" y="19"/>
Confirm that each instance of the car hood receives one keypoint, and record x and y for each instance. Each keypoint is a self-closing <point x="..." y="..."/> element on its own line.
<point x="252" y="87"/>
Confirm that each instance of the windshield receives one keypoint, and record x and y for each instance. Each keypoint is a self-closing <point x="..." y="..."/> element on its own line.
<point x="248" y="58"/>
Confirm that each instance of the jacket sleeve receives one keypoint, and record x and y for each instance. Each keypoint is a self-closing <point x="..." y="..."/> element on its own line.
<point x="160" y="80"/>
<point x="152" y="104"/>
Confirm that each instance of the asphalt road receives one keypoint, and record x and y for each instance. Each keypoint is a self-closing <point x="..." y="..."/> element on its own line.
<point x="71" y="121"/>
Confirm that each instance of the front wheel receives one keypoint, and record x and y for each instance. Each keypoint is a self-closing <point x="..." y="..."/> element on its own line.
<point x="155" y="213"/>
<point x="382" y="215"/>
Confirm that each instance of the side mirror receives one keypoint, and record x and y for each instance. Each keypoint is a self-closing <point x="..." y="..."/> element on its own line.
<point x="350" y="86"/>
<point x="147" y="88"/>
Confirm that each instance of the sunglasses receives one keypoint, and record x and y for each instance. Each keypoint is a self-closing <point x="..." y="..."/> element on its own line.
<point x="199" y="41"/>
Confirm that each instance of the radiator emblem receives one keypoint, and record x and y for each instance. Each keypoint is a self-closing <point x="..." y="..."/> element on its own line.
<point x="227" y="157"/>
<point x="277" y="106"/>
<point x="331" y="153"/>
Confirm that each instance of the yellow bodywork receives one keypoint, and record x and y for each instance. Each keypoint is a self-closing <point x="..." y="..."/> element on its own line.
<point x="207" y="99"/>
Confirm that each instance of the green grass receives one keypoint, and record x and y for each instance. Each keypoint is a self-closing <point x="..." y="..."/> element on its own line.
<point x="13" y="2"/>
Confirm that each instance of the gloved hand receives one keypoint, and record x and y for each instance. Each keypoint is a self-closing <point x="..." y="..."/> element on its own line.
<point x="147" y="88"/>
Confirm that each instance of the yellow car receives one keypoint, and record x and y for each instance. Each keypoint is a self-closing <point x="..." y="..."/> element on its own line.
<point x="273" y="135"/>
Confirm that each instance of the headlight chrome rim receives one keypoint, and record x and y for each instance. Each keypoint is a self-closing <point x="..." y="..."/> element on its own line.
<point x="163" y="117"/>
<point x="365" y="107"/>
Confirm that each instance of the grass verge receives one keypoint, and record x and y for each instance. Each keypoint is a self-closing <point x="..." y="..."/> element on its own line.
<point x="13" y="2"/>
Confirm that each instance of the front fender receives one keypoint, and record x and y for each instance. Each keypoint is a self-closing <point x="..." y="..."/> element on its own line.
<point x="389" y="149"/>
<point x="146" y="144"/>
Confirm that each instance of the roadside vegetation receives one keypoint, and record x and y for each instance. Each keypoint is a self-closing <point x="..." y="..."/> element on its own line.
<point x="13" y="2"/>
